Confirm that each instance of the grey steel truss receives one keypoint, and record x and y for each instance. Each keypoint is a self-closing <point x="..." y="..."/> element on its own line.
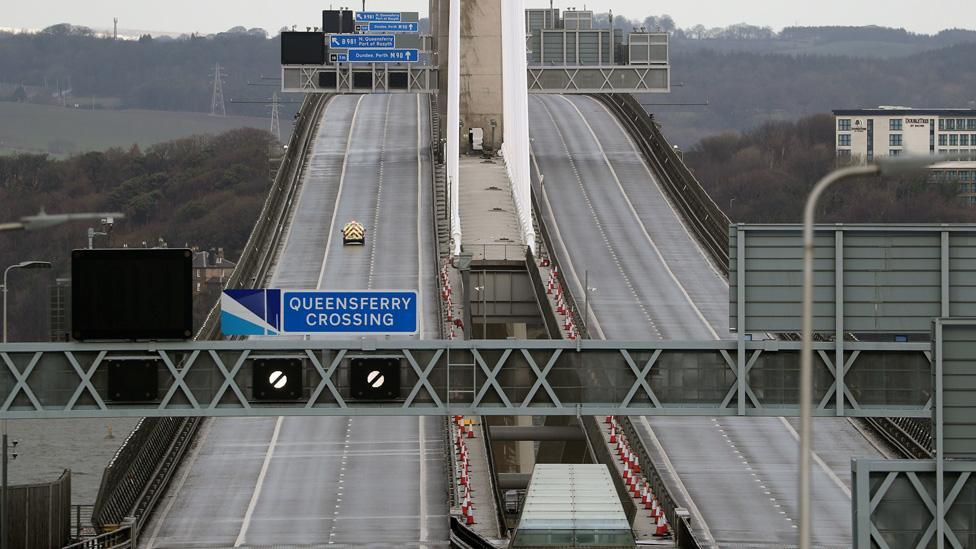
<point x="214" y="378"/>
<point x="359" y="78"/>
<point x="599" y="79"/>
<point x="896" y="504"/>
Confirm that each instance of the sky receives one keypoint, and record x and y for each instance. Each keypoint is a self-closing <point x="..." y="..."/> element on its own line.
<point x="208" y="16"/>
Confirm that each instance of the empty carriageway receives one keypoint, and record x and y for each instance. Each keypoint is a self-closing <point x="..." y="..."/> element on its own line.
<point x="357" y="481"/>
<point x="649" y="279"/>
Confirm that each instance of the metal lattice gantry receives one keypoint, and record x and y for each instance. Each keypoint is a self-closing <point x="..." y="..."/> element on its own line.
<point x="359" y="78"/>
<point x="440" y="377"/>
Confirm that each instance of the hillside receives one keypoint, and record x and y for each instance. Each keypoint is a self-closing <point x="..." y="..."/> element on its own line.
<point x="203" y="191"/>
<point x="764" y="175"/>
<point x="744" y="90"/>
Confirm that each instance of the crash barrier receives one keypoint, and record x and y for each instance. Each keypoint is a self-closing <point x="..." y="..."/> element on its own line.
<point x="143" y="465"/>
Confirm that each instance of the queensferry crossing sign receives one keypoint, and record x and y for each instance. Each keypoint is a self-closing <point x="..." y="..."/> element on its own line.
<point x="272" y="311"/>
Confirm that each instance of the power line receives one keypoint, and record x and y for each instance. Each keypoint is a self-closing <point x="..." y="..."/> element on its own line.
<point x="217" y="106"/>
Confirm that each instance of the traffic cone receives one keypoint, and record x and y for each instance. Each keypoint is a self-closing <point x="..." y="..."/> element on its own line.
<point x="470" y="431"/>
<point x="655" y="507"/>
<point x="609" y="420"/>
<point x="646" y="497"/>
<point x="613" y="435"/>
<point x="636" y="464"/>
<point x="469" y="518"/>
<point x="627" y="472"/>
<point x="662" y="526"/>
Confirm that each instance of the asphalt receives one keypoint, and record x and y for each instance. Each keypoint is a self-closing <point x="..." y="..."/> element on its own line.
<point x="649" y="279"/>
<point x="358" y="481"/>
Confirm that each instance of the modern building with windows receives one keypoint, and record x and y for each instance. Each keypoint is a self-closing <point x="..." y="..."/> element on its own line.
<point x="864" y="134"/>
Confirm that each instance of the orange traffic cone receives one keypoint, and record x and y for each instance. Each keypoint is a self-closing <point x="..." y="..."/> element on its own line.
<point x="662" y="526"/>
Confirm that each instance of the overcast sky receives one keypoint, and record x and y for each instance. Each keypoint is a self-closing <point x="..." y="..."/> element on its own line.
<point x="216" y="15"/>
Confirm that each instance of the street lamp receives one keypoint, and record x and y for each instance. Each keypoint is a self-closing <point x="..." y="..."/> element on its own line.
<point x="43" y="220"/>
<point x="21" y="265"/>
<point x="3" y="482"/>
<point x="893" y="166"/>
<point x="484" y="306"/>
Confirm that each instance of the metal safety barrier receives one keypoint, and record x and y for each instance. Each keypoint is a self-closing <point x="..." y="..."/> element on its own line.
<point x="140" y="471"/>
<point x="705" y="219"/>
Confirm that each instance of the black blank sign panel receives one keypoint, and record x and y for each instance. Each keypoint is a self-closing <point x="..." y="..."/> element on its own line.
<point x="132" y="294"/>
<point x="302" y="48"/>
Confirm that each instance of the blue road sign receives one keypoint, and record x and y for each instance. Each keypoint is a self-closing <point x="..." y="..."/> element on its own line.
<point x="369" y="16"/>
<point x="383" y="56"/>
<point x="362" y="41"/>
<point x="349" y="312"/>
<point x="394" y="27"/>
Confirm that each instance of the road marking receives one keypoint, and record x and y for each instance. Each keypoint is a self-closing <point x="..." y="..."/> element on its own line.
<point x="379" y="194"/>
<point x="342" y="179"/>
<point x="816" y="457"/>
<point x="640" y="223"/>
<point x="420" y="246"/>
<point x="179" y="486"/>
<point x="599" y="226"/>
<point x="423" y="481"/>
<point x="260" y="483"/>
<point x="680" y="485"/>
<point x="301" y="193"/>
<point x="681" y="221"/>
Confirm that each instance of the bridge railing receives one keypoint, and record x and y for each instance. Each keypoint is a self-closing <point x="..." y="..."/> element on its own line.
<point x="139" y="472"/>
<point x="703" y="216"/>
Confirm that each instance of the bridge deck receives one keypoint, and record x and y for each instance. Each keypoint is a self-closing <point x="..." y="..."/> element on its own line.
<point x="364" y="480"/>
<point x="650" y="279"/>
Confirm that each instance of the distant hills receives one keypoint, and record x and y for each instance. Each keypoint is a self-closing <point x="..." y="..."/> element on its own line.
<point x="747" y="74"/>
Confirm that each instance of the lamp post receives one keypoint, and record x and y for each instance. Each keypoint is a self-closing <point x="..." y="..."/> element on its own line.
<point x="4" y="533"/>
<point x="894" y="166"/>
<point x="21" y="265"/>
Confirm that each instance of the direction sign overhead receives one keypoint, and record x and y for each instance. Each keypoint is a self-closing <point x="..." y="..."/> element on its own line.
<point x="369" y="16"/>
<point x="362" y="41"/>
<point x="394" y="27"/>
<point x="383" y="56"/>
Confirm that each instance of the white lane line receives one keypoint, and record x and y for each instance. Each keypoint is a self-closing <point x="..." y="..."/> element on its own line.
<point x="420" y="246"/>
<point x="179" y="486"/>
<point x="342" y="179"/>
<point x="816" y="457"/>
<point x="599" y="225"/>
<point x="257" y="487"/>
<point x="681" y="221"/>
<point x="379" y="195"/>
<point x="301" y="194"/>
<point x="640" y="223"/>
<point x="423" y="481"/>
<point x="677" y="480"/>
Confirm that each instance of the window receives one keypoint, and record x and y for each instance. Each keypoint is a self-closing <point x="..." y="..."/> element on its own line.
<point x="960" y="124"/>
<point x="894" y="140"/>
<point x="943" y="140"/>
<point x="950" y="124"/>
<point x="844" y="140"/>
<point x="964" y="140"/>
<point x="943" y="151"/>
<point x="894" y="152"/>
<point x="971" y="124"/>
<point x="954" y="140"/>
<point x="942" y="124"/>
<point x="894" y="124"/>
<point x="844" y="153"/>
<point x="844" y="124"/>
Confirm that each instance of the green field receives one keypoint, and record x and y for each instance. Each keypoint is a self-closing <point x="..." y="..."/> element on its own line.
<point x="63" y="131"/>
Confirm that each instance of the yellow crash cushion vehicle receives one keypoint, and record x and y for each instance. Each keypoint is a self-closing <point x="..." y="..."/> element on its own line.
<point x="353" y="233"/>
